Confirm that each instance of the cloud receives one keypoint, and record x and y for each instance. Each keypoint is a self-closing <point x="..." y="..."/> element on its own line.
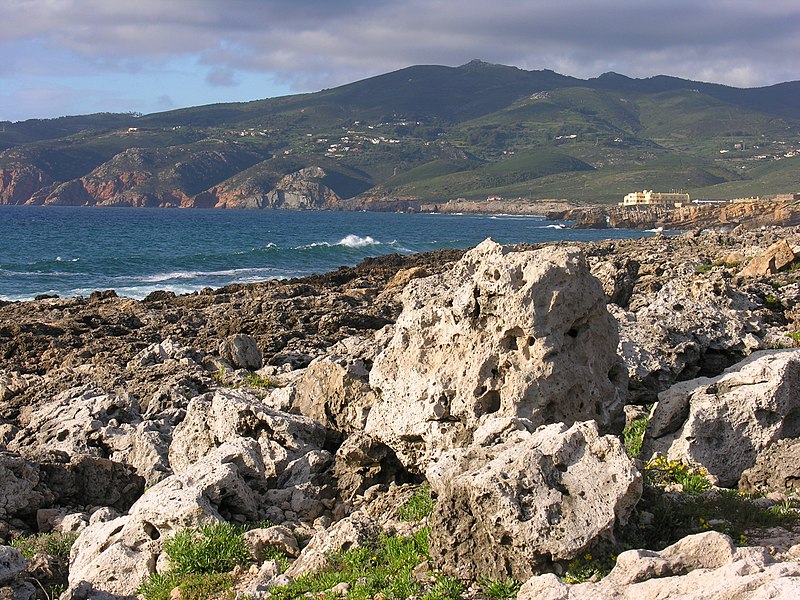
<point x="320" y="43"/>
<point x="221" y="78"/>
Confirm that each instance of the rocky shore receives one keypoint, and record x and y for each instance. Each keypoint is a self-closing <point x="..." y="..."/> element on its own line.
<point x="616" y="419"/>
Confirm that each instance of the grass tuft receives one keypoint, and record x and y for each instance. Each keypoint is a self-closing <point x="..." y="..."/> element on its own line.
<point x="419" y="506"/>
<point x="55" y="544"/>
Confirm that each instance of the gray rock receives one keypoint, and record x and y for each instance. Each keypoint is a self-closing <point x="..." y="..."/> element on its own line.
<point x="521" y="500"/>
<point x="723" y="423"/>
<point x="503" y="333"/>
<point x="23" y="490"/>
<point x="227" y="415"/>
<point x="116" y="556"/>
<point x="363" y="461"/>
<point x="777" y="467"/>
<point x="241" y="351"/>
<point x="12" y="563"/>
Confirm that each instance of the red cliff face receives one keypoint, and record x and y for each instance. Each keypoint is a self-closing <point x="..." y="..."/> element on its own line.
<point x="19" y="184"/>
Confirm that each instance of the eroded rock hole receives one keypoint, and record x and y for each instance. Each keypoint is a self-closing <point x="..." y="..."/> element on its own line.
<point x="488" y="403"/>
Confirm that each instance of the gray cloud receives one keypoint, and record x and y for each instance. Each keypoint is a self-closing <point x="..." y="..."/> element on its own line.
<point x="321" y="43"/>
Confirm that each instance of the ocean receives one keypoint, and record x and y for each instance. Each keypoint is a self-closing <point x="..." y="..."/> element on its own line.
<point x="73" y="251"/>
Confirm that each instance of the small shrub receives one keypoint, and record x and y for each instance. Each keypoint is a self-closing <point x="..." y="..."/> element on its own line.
<point x="55" y="544"/>
<point x="660" y="472"/>
<point x="795" y="336"/>
<point x="772" y="302"/>
<point x="588" y="567"/>
<point x="213" y="548"/>
<point x="199" y="561"/>
<point x="445" y="588"/>
<point x="704" y="268"/>
<point x="264" y="383"/>
<point x="633" y="435"/>
<point x="419" y="506"/>
<point x="500" y="589"/>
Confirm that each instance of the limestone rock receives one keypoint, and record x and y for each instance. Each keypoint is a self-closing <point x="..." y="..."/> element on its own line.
<point x="334" y="391"/>
<point x="503" y="333"/>
<point x="361" y="462"/>
<point x="351" y="532"/>
<point x="776" y="257"/>
<point x="23" y="491"/>
<point x="692" y="325"/>
<point x="723" y="423"/>
<point x="776" y="468"/>
<point x="227" y="415"/>
<point x="241" y="351"/>
<point x="116" y="556"/>
<point x="276" y="538"/>
<point x="705" y="566"/>
<point x="521" y="500"/>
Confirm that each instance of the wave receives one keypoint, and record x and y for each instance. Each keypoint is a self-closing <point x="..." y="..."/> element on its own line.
<point x="252" y="273"/>
<point x="553" y="227"/>
<point x="348" y="241"/>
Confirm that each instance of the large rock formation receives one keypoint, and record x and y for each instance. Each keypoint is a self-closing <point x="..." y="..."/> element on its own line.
<point x="504" y="333"/>
<point x="723" y="423"/>
<point x="516" y="502"/>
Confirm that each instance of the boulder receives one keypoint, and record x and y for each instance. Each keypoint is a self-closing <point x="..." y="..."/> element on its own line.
<point x="260" y="541"/>
<point x="335" y="391"/>
<point x="226" y="415"/>
<point x="705" y="566"/>
<point x="117" y="555"/>
<point x="520" y="501"/>
<point x="241" y="352"/>
<point x="503" y="333"/>
<point x="693" y="325"/>
<point x="23" y="491"/>
<point x="777" y="257"/>
<point x="723" y="423"/>
<point x="777" y="468"/>
<point x="12" y="563"/>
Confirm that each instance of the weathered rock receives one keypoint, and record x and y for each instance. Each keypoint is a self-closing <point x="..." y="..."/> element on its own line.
<point x="503" y="333"/>
<point x="351" y="532"/>
<point x="723" y="423"/>
<point x="241" y="351"/>
<point x="361" y="462"/>
<point x="23" y="491"/>
<point x="692" y="325"/>
<point x="777" y="467"/>
<point x="705" y="566"/>
<point x="259" y="541"/>
<point x="775" y="258"/>
<point x="116" y="556"/>
<point x="12" y="563"/>
<point x="520" y="501"/>
<point x="226" y="415"/>
<point x="334" y="391"/>
<point x="72" y="421"/>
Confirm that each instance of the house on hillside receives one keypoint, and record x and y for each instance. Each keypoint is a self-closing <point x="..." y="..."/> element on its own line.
<point x="651" y="198"/>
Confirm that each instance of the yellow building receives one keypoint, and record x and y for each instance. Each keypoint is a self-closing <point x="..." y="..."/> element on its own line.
<point x="651" y="198"/>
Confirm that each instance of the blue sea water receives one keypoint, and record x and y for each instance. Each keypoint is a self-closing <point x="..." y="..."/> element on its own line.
<point x="73" y="251"/>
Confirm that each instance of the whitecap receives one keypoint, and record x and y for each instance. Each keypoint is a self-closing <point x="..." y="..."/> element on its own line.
<point x="354" y="241"/>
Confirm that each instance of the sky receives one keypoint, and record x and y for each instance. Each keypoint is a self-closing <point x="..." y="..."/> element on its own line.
<point x="68" y="57"/>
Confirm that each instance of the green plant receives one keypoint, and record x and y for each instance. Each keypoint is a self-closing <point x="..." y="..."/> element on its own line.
<point x="213" y="548"/>
<point x="795" y="335"/>
<point x="419" y="506"/>
<point x="660" y="472"/>
<point x="704" y="268"/>
<point x="55" y="544"/>
<point x="200" y="558"/>
<point x="632" y="436"/>
<point x="586" y="567"/>
<point x="382" y="566"/>
<point x="445" y="588"/>
<point x="255" y="380"/>
<point x="772" y="302"/>
<point x="499" y="589"/>
<point x="219" y="376"/>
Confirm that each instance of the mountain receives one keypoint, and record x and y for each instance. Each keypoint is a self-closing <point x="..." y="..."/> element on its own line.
<point x="424" y="133"/>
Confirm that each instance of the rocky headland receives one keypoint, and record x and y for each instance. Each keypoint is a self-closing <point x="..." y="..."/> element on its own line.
<point x="616" y="419"/>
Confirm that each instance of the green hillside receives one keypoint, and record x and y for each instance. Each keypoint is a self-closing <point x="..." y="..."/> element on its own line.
<point x="431" y="133"/>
